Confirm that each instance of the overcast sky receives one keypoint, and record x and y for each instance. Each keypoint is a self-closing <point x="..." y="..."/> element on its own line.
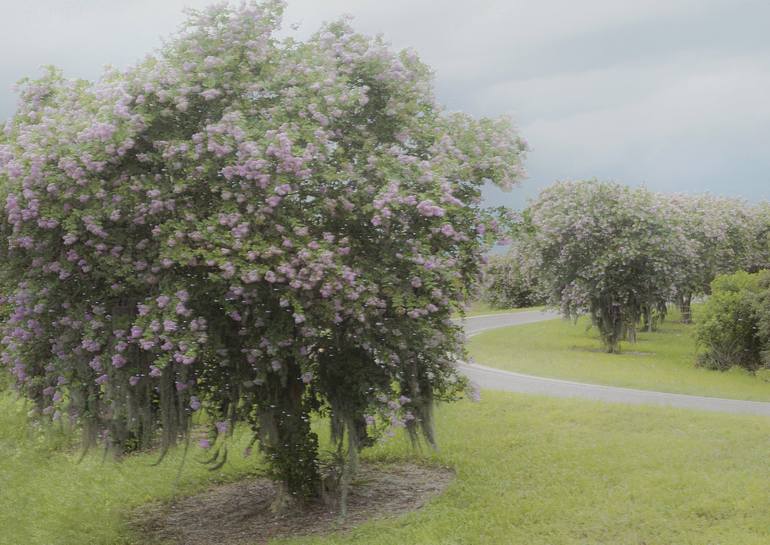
<point x="674" y="94"/>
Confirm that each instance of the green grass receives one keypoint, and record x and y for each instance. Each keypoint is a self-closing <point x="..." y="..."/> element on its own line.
<point x="662" y="360"/>
<point x="47" y="498"/>
<point x="530" y="471"/>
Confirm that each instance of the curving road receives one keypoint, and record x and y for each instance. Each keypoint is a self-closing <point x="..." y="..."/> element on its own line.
<point x="497" y="379"/>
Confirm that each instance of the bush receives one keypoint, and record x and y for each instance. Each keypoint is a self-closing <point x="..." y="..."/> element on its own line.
<point x="730" y="327"/>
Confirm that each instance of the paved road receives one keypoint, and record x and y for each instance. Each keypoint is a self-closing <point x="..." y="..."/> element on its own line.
<point x="497" y="379"/>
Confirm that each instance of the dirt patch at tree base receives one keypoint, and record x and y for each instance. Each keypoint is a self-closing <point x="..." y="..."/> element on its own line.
<point x="239" y="513"/>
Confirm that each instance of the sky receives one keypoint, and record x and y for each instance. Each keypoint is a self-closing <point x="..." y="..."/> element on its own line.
<point x="672" y="94"/>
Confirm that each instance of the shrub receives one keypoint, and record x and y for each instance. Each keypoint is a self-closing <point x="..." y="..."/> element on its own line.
<point x="729" y="328"/>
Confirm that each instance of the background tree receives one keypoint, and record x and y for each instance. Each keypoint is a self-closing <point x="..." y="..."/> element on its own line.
<point x="607" y="250"/>
<point x="725" y="236"/>
<point x="265" y="229"/>
<point x="509" y="284"/>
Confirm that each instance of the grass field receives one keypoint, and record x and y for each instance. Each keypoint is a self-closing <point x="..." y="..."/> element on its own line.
<point x="662" y="360"/>
<point x="530" y="471"/>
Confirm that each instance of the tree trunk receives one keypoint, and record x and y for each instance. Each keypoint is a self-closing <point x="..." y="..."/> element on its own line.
<point x="290" y="446"/>
<point x="631" y="333"/>
<point x="648" y="320"/>
<point x="685" y="308"/>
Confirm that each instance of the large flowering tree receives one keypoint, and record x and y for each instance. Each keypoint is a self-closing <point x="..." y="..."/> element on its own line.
<point x="263" y="229"/>
<point x="608" y="250"/>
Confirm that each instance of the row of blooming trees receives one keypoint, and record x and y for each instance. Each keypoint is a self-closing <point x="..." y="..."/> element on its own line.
<point x="265" y="230"/>
<point x="620" y="254"/>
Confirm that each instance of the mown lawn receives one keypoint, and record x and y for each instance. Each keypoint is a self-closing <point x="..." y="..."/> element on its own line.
<point x="530" y="471"/>
<point x="662" y="360"/>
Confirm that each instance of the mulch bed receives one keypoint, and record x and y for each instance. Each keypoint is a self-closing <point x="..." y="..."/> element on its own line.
<point x="239" y="513"/>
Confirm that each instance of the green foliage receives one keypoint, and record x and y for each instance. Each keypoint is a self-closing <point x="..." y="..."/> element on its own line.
<point x="729" y="330"/>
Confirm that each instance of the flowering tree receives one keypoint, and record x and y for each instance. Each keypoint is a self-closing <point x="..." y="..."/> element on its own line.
<point x="262" y="229"/>
<point x="726" y="236"/>
<point x="608" y="250"/>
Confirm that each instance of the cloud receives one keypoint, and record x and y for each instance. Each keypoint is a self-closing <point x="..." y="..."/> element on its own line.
<point x="670" y="94"/>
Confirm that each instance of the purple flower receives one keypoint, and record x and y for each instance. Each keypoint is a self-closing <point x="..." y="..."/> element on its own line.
<point x="90" y="345"/>
<point x="163" y="301"/>
<point x="204" y="443"/>
<point x="195" y="403"/>
<point x="169" y="326"/>
<point x="95" y="364"/>
<point x="118" y="360"/>
<point x="211" y="94"/>
<point x="222" y="426"/>
<point x="283" y="189"/>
